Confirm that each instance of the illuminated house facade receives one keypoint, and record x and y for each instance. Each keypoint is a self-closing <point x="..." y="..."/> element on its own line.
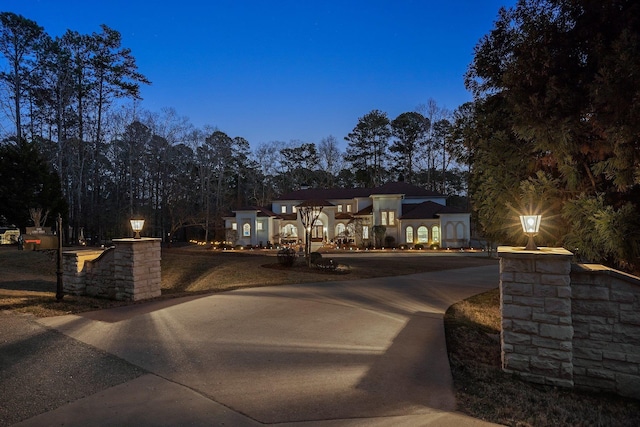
<point x="410" y="215"/>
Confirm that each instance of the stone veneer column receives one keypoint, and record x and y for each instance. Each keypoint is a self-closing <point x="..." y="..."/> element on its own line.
<point x="73" y="271"/>
<point x="137" y="268"/>
<point x="535" y="300"/>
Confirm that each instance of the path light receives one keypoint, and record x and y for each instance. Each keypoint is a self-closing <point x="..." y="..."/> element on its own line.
<point x="530" y="226"/>
<point x="136" y="225"/>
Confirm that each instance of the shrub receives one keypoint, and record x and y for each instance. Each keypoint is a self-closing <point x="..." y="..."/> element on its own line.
<point x="435" y="246"/>
<point x="419" y="246"/>
<point x="315" y="257"/>
<point x="287" y="257"/>
<point x="389" y="241"/>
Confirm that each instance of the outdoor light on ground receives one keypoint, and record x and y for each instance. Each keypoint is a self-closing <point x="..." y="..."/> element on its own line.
<point x="136" y="226"/>
<point x="530" y="226"/>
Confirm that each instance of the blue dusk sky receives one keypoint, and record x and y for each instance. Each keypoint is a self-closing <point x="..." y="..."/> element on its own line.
<point x="286" y="70"/>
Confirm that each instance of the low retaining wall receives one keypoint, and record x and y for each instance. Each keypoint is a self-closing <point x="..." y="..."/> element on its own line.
<point x="569" y="325"/>
<point x="128" y="271"/>
<point x="606" y="329"/>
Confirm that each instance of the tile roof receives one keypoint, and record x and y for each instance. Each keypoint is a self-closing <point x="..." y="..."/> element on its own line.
<point x="399" y="187"/>
<point x="325" y="193"/>
<point x="288" y="217"/>
<point x="343" y="215"/>
<point x="314" y="202"/>
<point x="262" y="211"/>
<point x="426" y="210"/>
<point x="366" y="211"/>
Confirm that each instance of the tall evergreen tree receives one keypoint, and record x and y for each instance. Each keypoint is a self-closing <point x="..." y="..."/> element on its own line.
<point x="26" y="182"/>
<point x="410" y="130"/>
<point x="367" y="149"/>
<point x="19" y="39"/>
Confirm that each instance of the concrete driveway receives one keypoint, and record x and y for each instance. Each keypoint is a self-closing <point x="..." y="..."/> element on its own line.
<point x="369" y="352"/>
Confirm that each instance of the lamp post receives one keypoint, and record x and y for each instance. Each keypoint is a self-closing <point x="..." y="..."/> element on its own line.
<point x="530" y="226"/>
<point x="136" y="226"/>
<point x="59" y="271"/>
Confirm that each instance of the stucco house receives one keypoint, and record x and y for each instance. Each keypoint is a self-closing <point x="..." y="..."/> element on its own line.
<point x="410" y="215"/>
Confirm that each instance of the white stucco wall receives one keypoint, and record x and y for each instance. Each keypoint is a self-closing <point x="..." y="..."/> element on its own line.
<point x="455" y="230"/>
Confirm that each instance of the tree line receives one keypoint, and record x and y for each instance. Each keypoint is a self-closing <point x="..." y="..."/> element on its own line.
<point x="74" y="107"/>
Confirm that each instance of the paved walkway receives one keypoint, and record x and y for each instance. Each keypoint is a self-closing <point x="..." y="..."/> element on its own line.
<point x="354" y="353"/>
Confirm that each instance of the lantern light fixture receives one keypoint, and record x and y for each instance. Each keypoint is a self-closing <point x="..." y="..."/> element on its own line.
<point x="530" y="226"/>
<point x="136" y="226"/>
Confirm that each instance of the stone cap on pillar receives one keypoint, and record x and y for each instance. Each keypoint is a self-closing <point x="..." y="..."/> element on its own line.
<point x="132" y="240"/>
<point x="517" y="251"/>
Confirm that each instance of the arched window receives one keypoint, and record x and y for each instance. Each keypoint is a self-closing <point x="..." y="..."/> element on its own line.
<point x="340" y="228"/>
<point x="423" y="234"/>
<point x="246" y="230"/>
<point x="435" y="233"/>
<point x="409" y="234"/>
<point x="460" y="231"/>
<point x="290" y="230"/>
<point x="317" y="230"/>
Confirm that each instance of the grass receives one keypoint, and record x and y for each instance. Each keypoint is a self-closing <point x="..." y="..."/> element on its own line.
<point x="484" y="391"/>
<point x="28" y="279"/>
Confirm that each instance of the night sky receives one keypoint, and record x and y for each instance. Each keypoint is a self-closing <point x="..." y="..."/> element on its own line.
<point x="286" y="70"/>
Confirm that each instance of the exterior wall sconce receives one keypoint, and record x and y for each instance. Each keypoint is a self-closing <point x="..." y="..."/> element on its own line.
<point x="136" y="226"/>
<point x="530" y="226"/>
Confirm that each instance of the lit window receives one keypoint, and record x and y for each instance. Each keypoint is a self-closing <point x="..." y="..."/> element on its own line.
<point x="294" y="209"/>
<point x="259" y="226"/>
<point x="388" y="217"/>
<point x="365" y="231"/>
<point x="340" y="229"/>
<point x="339" y="208"/>
<point x="348" y="208"/>
<point x="283" y="209"/>
<point x="409" y="234"/>
<point x="423" y="234"/>
<point x="246" y="230"/>
<point x="435" y="233"/>
<point x="234" y="226"/>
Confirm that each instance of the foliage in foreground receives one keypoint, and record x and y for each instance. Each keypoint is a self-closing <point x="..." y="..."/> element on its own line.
<point x="554" y="127"/>
<point x="484" y="391"/>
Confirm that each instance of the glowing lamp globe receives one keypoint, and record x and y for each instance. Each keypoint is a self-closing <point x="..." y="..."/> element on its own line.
<point x="530" y="226"/>
<point x="136" y="226"/>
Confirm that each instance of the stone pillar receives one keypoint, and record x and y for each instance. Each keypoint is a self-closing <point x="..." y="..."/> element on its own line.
<point x="137" y="268"/>
<point x="535" y="300"/>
